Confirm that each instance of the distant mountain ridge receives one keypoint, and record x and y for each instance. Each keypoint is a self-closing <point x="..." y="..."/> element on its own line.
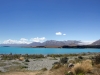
<point x="53" y="43"/>
<point x="14" y="45"/>
<point x="48" y="43"/>
<point x="96" y="42"/>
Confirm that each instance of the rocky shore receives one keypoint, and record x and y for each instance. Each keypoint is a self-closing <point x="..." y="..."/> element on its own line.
<point x="36" y="63"/>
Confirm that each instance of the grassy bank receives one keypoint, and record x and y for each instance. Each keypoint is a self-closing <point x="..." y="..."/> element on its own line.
<point x="83" y="64"/>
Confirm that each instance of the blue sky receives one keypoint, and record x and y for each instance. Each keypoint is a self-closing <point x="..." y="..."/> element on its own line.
<point x="39" y="20"/>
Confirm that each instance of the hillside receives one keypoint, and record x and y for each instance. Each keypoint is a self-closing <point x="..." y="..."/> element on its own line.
<point x="96" y="42"/>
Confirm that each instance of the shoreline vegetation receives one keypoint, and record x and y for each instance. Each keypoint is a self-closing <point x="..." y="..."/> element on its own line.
<point x="66" y="46"/>
<point x="50" y="64"/>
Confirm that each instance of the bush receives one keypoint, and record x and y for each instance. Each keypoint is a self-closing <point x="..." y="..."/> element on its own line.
<point x="80" y="57"/>
<point x="78" y="69"/>
<point x="60" y="71"/>
<point x="97" y="59"/>
<point x="0" y="71"/>
<point x="82" y="68"/>
<point x="69" y="73"/>
<point x="21" y="58"/>
<point x="44" y="69"/>
<point x="22" y="67"/>
<point x="26" y="60"/>
<point x="98" y="65"/>
<point x="56" y="66"/>
<point x="64" y="60"/>
<point x="56" y="63"/>
<point x="10" y="56"/>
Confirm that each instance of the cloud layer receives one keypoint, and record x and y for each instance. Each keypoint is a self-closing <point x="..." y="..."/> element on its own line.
<point x="24" y="40"/>
<point x="86" y="42"/>
<point x="37" y="39"/>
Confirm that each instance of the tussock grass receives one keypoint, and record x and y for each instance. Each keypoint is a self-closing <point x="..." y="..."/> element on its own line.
<point x="97" y="59"/>
<point x="44" y="69"/>
<point x="21" y="58"/>
<point x="83" y="67"/>
<point x="98" y="65"/>
<point x="61" y="71"/>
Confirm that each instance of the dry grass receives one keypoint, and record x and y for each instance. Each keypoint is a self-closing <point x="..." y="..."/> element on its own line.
<point x="21" y="58"/>
<point x="83" y="67"/>
<point x="98" y="65"/>
<point x="18" y="68"/>
<point x="19" y="73"/>
<point x="60" y="71"/>
<point x="72" y="61"/>
<point x="78" y="68"/>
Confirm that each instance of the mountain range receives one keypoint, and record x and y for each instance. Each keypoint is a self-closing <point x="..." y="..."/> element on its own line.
<point x="54" y="43"/>
<point x="96" y="42"/>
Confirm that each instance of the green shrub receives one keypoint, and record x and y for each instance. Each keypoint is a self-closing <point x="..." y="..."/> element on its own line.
<point x="26" y="60"/>
<point x="64" y="60"/>
<point x="22" y="67"/>
<point x="26" y="63"/>
<point x="97" y="59"/>
<point x="82" y="68"/>
<point x="1" y="71"/>
<point x="80" y="57"/>
<point x="56" y="66"/>
<point x="44" y="69"/>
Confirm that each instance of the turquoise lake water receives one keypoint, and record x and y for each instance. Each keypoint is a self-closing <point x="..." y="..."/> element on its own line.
<point x="18" y="50"/>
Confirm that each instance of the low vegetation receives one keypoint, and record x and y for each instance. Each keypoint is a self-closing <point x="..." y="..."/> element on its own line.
<point x="81" y="65"/>
<point x="20" y="57"/>
<point x="27" y="60"/>
<point x="18" y="68"/>
<point x="16" y="63"/>
<point x="82" y="68"/>
<point x="97" y="59"/>
<point x="64" y="60"/>
<point x="44" y="69"/>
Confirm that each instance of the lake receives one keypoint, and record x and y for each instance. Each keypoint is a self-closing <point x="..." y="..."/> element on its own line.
<point x="19" y="50"/>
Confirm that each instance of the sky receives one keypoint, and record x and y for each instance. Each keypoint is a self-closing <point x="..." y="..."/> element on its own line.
<point x="26" y="21"/>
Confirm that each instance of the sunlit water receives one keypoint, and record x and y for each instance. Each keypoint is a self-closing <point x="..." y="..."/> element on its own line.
<point x="19" y="50"/>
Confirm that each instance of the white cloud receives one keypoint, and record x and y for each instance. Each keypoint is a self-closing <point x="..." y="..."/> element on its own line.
<point x="24" y="41"/>
<point x="37" y="39"/>
<point x="86" y="42"/>
<point x="58" y="33"/>
<point x="64" y="34"/>
<point x="21" y="41"/>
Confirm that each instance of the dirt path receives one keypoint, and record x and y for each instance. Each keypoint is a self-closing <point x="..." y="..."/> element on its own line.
<point x="19" y="73"/>
<point x="47" y="72"/>
<point x="27" y="73"/>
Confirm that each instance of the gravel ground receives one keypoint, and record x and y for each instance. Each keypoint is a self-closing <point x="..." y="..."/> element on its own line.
<point x="34" y="64"/>
<point x="41" y="63"/>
